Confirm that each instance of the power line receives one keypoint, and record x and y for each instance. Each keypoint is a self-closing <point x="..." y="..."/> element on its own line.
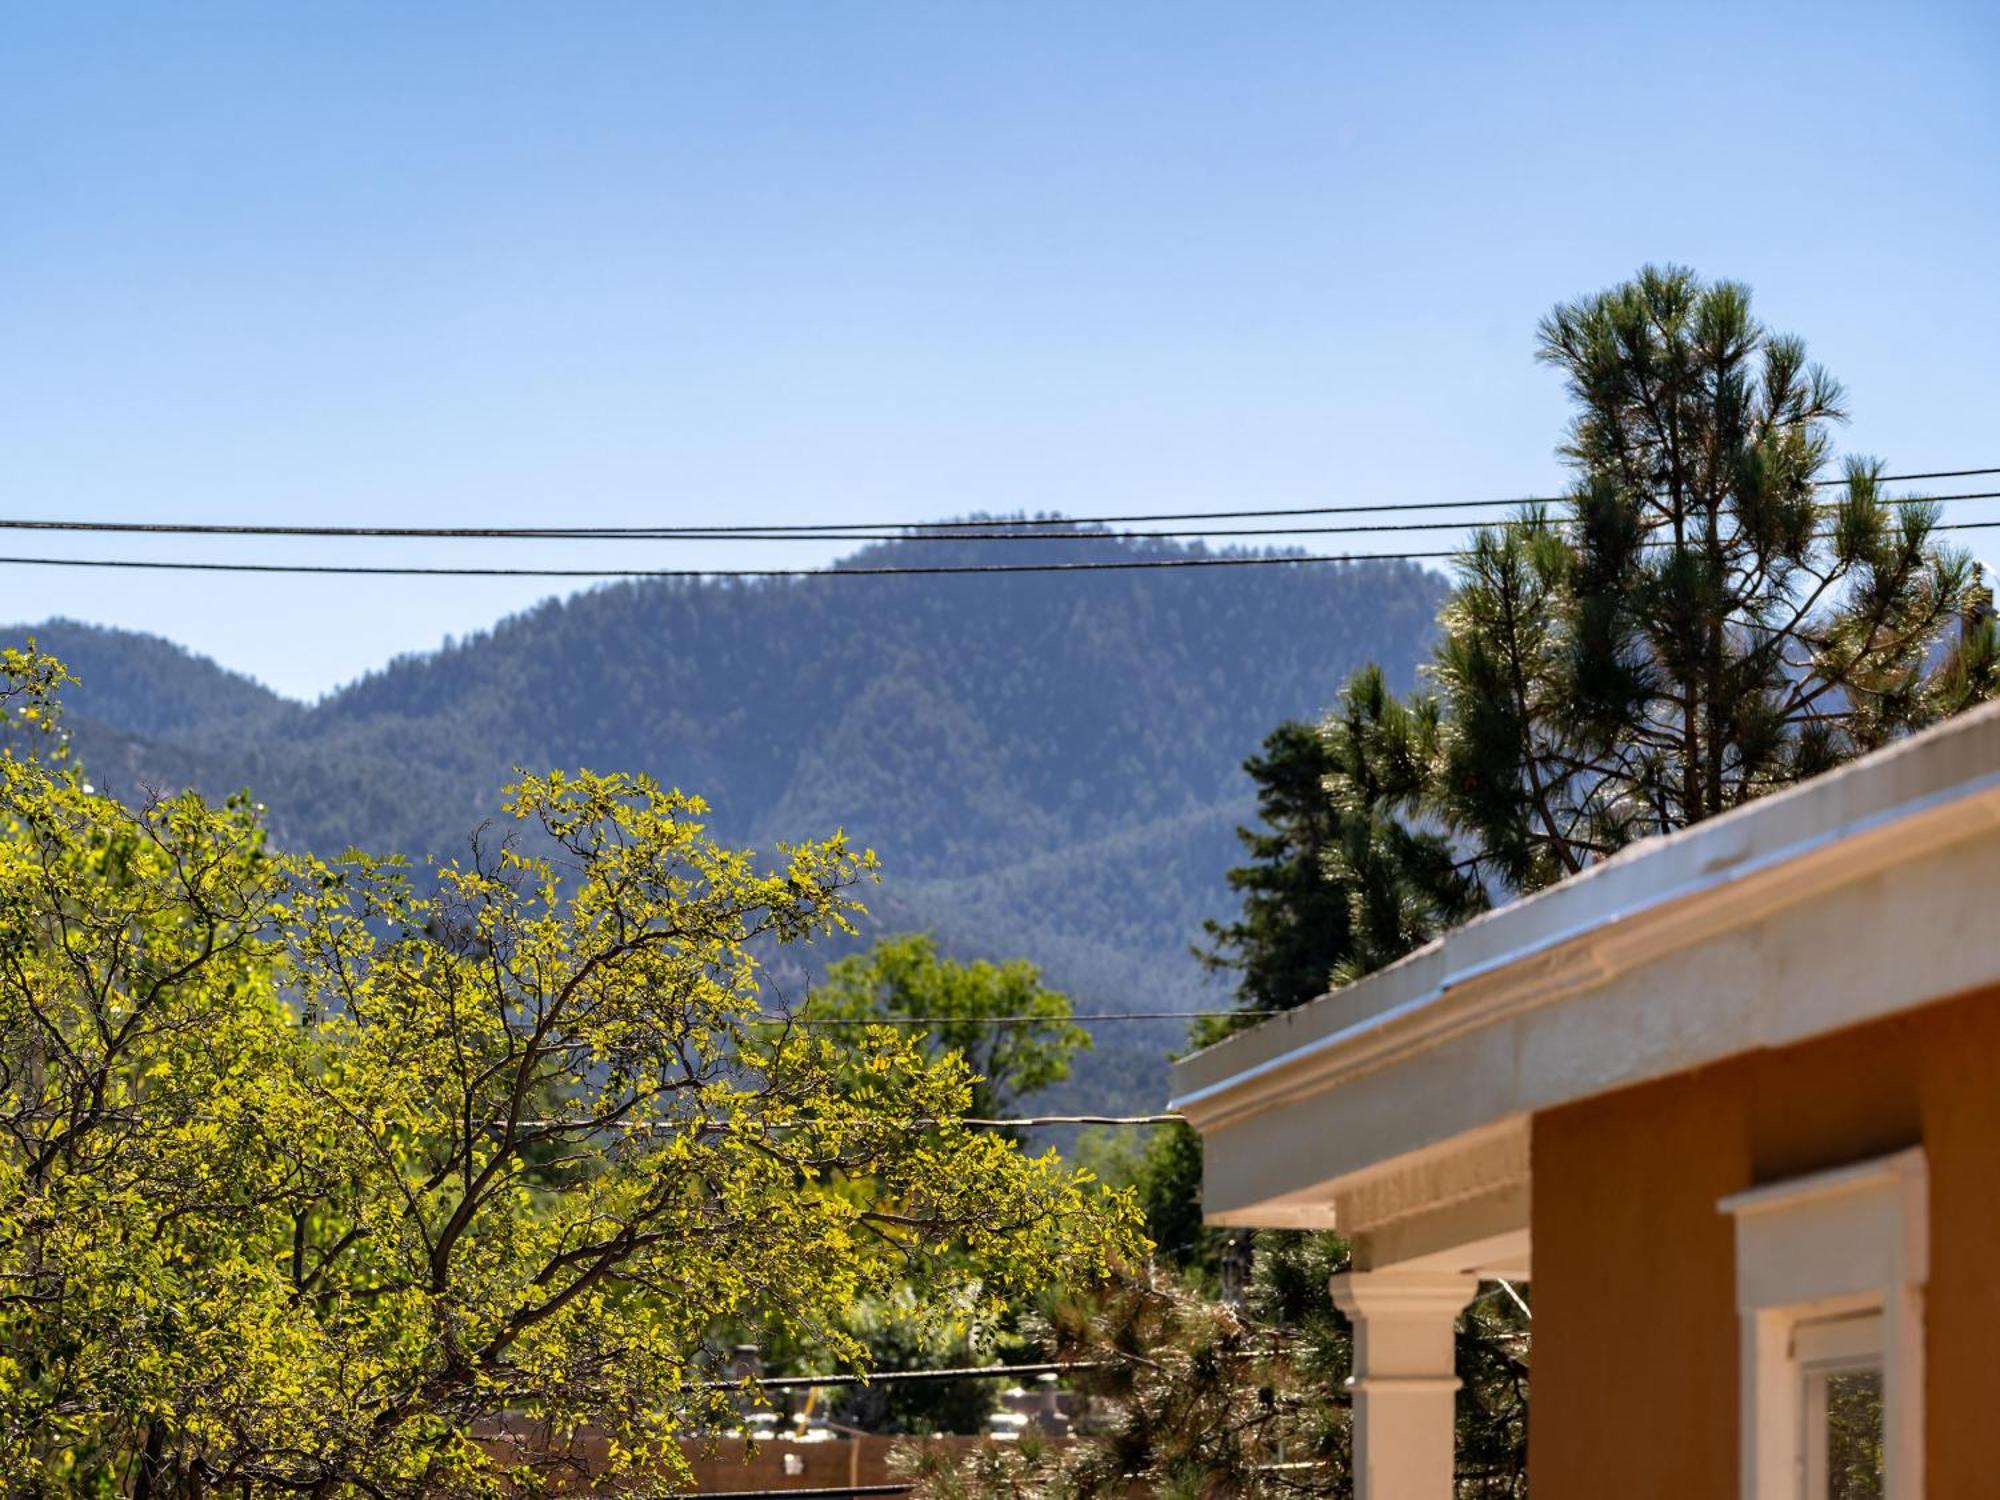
<point x="1086" y="1019"/>
<point x="1122" y="565"/>
<point x="919" y="1122"/>
<point x="1066" y="530"/>
<point x="1057" y="530"/>
<point x="847" y="530"/>
<point x="896" y="1377"/>
<point x="836" y="1492"/>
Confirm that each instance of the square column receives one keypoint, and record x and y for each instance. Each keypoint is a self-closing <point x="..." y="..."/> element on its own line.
<point x="1405" y="1377"/>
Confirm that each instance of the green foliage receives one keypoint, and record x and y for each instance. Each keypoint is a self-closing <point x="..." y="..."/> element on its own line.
<point x="1704" y="621"/>
<point x="308" y="1172"/>
<point x="907" y="977"/>
<point x="1195" y="1399"/>
<point x="1168" y="1186"/>
<point x="903" y="1333"/>
<point x="1048" y="767"/>
<point x="1162" y="1166"/>
<point x="1404" y="883"/>
<point x="1337" y="885"/>
<point x="1293" y="926"/>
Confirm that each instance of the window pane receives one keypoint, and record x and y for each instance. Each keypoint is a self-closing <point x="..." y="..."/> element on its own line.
<point x="1853" y="1435"/>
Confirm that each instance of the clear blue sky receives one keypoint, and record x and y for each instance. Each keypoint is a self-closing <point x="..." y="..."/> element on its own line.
<point x="658" y="263"/>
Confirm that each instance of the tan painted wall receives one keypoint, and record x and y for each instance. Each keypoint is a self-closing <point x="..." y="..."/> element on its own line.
<point x="1635" y="1385"/>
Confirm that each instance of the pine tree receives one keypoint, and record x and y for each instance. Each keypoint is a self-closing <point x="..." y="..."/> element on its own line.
<point x="1404" y="883"/>
<point x="1293" y="930"/>
<point x="1708" y="617"/>
<point x="1336" y="886"/>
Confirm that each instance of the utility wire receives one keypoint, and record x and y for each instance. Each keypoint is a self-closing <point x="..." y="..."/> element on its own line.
<point x="896" y="1377"/>
<point x="848" y="530"/>
<point x="713" y="1127"/>
<point x="1122" y="565"/>
<point x="1061" y="530"/>
<point x="1253" y="560"/>
<point x="920" y="1122"/>
<point x="1074" y="1020"/>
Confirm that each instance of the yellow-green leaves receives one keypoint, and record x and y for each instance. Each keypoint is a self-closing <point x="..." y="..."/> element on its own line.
<point x="313" y="1170"/>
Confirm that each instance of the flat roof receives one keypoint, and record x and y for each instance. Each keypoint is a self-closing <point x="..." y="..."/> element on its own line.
<point x="1572" y="943"/>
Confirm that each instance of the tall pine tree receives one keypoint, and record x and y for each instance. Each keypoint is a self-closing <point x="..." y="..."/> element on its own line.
<point x="1709" y="617"/>
<point x="1293" y="929"/>
<point x="1335" y="885"/>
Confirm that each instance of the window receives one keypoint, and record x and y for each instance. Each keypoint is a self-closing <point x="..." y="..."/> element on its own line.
<point x="1840" y="1369"/>
<point x="1830" y="1271"/>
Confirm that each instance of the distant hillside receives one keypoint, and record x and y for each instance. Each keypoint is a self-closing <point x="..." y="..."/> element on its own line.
<point x="1048" y="765"/>
<point x="147" y="686"/>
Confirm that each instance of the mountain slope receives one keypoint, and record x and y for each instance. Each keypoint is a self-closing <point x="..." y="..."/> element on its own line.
<point x="1048" y="765"/>
<point x="148" y="686"/>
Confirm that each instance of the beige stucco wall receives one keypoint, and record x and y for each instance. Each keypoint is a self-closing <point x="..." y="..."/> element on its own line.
<point x="1635" y="1357"/>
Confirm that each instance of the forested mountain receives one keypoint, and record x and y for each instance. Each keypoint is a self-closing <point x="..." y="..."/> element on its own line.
<point x="1048" y="764"/>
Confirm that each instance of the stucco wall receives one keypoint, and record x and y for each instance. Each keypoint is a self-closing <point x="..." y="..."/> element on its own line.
<point x="1635" y="1354"/>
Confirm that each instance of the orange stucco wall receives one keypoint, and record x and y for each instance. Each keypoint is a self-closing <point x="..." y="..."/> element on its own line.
<point x="1635" y="1354"/>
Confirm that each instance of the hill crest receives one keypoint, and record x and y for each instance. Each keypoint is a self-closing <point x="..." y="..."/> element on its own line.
<point x="1048" y="764"/>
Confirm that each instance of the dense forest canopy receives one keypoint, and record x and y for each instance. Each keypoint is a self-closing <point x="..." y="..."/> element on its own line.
<point x="1048" y="765"/>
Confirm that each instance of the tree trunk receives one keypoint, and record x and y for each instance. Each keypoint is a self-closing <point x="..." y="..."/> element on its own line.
<point x="153" y="1478"/>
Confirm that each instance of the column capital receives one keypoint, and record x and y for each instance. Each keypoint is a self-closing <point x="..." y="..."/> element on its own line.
<point x="1401" y="1294"/>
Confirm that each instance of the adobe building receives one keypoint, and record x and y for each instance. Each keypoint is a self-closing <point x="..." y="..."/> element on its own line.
<point x="1730" y="1100"/>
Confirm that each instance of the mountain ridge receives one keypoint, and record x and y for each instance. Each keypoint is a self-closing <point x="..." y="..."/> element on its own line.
<point x="1048" y="764"/>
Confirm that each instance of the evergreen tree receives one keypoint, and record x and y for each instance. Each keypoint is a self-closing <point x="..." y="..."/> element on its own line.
<point x="1709" y="616"/>
<point x="1403" y="883"/>
<point x="1191" y="1399"/>
<point x="1337" y="885"/>
<point x="1294" y="926"/>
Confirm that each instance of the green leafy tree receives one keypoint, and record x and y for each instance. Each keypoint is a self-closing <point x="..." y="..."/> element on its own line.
<point x="906" y="978"/>
<point x="1161" y="1164"/>
<point x="1168" y="1184"/>
<point x="314" y="1183"/>
<point x="1013" y="1036"/>
<point x="1706" y="619"/>
<point x="904" y="1331"/>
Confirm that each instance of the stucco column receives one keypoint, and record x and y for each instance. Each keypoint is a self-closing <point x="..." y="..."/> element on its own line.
<point x="1404" y="1379"/>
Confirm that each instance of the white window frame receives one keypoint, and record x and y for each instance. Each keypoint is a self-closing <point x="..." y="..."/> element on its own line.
<point x="1830" y="1274"/>
<point x="1825" y="1348"/>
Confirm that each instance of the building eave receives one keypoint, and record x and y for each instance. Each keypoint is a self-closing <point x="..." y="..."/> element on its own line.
<point x="1661" y="898"/>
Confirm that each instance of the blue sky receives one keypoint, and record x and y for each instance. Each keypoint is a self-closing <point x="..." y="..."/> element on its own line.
<point x="654" y="263"/>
